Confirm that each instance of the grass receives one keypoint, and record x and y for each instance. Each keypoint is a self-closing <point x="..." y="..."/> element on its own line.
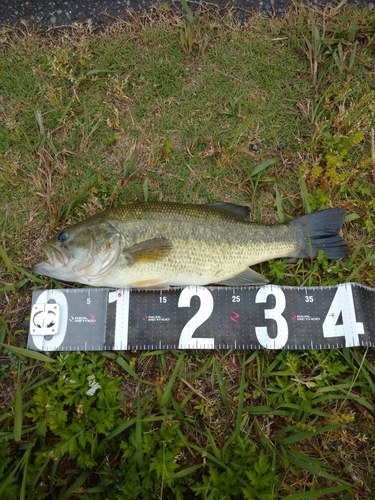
<point x="274" y="113"/>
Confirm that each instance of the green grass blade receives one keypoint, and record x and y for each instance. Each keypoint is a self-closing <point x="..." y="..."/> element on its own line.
<point x="76" y="486"/>
<point x="279" y="205"/>
<point x="129" y="167"/>
<point x="320" y="493"/>
<point x="263" y="410"/>
<point x="188" y="471"/>
<point x="24" y="476"/>
<point x="8" y="288"/>
<point x="221" y="381"/>
<point x="344" y="397"/>
<point x="4" y="330"/>
<point x="241" y="130"/>
<point x="338" y="6"/>
<point x="31" y="276"/>
<point x="125" y="366"/>
<point x="304" y="192"/>
<point x="300" y="436"/>
<point x="313" y="466"/>
<point x="209" y="455"/>
<point x="259" y="168"/>
<point x="121" y="428"/>
<point x="18" y="408"/>
<point x="241" y="400"/>
<point x="188" y="12"/>
<point x="14" y="472"/>
<point x="167" y="391"/>
<point x="6" y="260"/>
<point x="29" y="354"/>
<point x="215" y="449"/>
<point x="138" y="454"/>
<point x="128" y="423"/>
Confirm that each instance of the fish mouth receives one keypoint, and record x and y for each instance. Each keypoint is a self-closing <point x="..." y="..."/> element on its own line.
<point x="55" y="266"/>
<point x="57" y="258"/>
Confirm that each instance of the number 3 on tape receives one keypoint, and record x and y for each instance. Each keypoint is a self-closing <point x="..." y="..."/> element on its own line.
<point x="276" y="314"/>
<point x="343" y="305"/>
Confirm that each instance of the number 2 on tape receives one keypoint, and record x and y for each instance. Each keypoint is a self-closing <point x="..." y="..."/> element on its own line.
<point x="204" y="312"/>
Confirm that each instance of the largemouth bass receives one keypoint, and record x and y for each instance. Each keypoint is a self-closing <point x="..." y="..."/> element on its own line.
<point x="157" y="244"/>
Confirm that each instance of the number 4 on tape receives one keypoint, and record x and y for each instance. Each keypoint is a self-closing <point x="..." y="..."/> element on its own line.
<point x="343" y="305"/>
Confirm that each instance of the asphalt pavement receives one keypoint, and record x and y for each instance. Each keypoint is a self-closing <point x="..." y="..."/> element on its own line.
<point x="46" y="14"/>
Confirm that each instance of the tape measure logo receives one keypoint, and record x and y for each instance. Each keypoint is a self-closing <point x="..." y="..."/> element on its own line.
<point x="148" y="318"/>
<point x="83" y="319"/>
<point x="303" y="317"/>
<point x="235" y="317"/>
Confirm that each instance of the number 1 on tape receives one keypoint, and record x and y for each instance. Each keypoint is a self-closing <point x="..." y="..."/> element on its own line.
<point x="121" y="297"/>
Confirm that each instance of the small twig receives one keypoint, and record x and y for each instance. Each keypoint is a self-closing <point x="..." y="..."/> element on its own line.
<point x="198" y="393"/>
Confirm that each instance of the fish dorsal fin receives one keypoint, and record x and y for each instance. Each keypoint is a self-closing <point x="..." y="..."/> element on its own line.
<point x="247" y="277"/>
<point x="237" y="211"/>
<point x="148" y="251"/>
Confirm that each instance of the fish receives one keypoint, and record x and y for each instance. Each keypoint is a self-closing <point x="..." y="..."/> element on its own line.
<point x="155" y="245"/>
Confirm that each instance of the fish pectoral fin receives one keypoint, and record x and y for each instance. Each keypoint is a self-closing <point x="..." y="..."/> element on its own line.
<point x="148" y="251"/>
<point x="247" y="277"/>
<point x="237" y="211"/>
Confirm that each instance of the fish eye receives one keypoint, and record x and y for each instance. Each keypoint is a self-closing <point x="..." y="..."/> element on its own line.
<point x="63" y="236"/>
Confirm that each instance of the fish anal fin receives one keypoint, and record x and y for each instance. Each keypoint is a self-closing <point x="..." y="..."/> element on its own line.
<point x="247" y="277"/>
<point x="150" y="284"/>
<point x="148" y="251"/>
<point x="237" y="211"/>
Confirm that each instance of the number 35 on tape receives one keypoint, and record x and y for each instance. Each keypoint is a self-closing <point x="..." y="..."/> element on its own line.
<point x="267" y="317"/>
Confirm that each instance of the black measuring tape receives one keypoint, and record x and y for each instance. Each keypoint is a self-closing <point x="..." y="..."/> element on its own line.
<point x="195" y="317"/>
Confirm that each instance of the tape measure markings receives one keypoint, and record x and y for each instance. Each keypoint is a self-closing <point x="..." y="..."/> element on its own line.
<point x="271" y="316"/>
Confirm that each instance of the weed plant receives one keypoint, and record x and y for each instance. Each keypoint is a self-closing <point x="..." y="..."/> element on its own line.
<point x="194" y="107"/>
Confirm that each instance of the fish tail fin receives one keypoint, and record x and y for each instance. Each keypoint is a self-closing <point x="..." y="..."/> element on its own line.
<point x="322" y="233"/>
